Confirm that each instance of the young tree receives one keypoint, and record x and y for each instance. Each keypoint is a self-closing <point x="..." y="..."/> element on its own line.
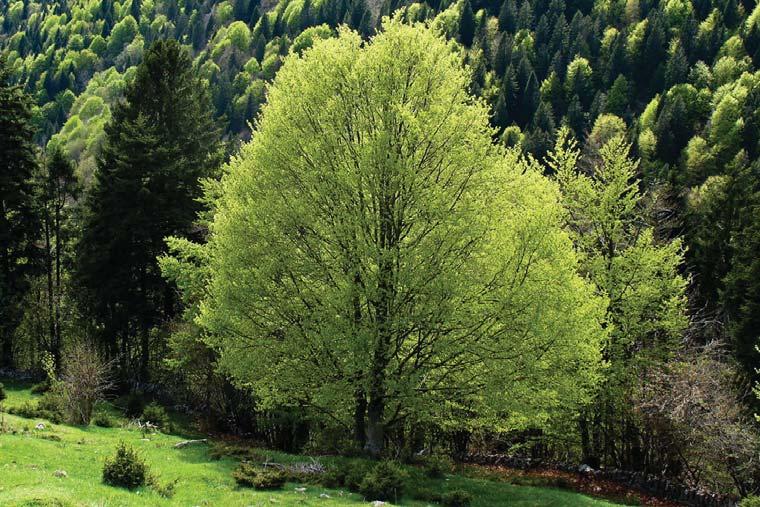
<point x="376" y="260"/>
<point x="160" y="142"/>
<point x="18" y="220"/>
<point x="638" y="273"/>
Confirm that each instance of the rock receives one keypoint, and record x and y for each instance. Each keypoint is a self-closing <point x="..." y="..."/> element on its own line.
<point x="39" y="426"/>
<point x="301" y="490"/>
<point x="585" y="469"/>
<point x="324" y="495"/>
<point x="61" y="474"/>
<point x="378" y="503"/>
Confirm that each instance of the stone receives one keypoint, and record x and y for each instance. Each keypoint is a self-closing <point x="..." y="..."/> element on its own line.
<point x="61" y="474"/>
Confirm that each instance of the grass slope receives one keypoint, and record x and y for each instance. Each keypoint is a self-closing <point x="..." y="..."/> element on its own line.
<point x="29" y="460"/>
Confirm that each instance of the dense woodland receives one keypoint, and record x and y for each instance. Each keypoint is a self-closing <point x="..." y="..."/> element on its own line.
<point x="341" y="226"/>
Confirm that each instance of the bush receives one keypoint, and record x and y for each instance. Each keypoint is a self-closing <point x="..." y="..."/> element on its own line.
<point x="248" y="475"/>
<point x="126" y="469"/>
<point x="52" y="402"/>
<point x="2" y="392"/>
<point x="166" y="489"/>
<point x="102" y="419"/>
<point x="384" y="482"/>
<point x="437" y="466"/>
<point x="750" y="501"/>
<point x="85" y="380"/>
<point x="157" y="415"/>
<point x="135" y="404"/>
<point x="456" y="498"/>
<point x="334" y="477"/>
<point x="32" y="410"/>
<point x="355" y="472"/>
<point x="41" y="387"/>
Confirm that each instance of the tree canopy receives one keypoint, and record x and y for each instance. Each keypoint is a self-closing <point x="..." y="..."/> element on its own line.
<point x="373" y="255"/>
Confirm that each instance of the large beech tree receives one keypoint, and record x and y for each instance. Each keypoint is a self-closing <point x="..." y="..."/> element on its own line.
<point x="375" y="259"/>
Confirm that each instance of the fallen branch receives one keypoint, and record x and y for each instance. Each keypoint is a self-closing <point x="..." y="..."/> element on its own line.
<point x="185" y="443"/>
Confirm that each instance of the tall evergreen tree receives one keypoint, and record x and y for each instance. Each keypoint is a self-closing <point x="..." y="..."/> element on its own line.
<point x="18" y="221"/>
<point x="160" y="142"/>
<point x="466" y="24"/>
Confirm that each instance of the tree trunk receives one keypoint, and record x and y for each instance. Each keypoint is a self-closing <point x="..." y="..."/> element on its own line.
<point x="51" y="312"/>
<point x="360" y="420"/>
<point x="375" y="427"/>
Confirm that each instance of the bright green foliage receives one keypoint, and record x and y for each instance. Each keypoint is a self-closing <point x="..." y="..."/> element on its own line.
<point x="373" y="255"/>
<point x="638" y="273"/>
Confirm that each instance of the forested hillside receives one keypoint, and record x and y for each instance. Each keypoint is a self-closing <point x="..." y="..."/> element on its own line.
<point x="526" y="225"/>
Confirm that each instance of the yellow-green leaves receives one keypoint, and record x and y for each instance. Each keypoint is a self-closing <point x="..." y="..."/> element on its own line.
<point x="372" y="243"/>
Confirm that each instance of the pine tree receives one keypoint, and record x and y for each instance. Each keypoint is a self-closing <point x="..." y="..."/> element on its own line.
<point x="160" y="142"/>
<point x="508" y="16"/>
<point x="466" y="24"/>
<point x="18" y="221"/>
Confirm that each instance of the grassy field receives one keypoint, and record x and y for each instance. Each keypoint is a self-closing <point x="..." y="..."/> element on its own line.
<point x="30" y="458"/>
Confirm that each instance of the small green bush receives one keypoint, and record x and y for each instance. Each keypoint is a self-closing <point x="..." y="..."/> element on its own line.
<point x="334" y="477"/>
<point x="2" y="392"/>
<point x="102" y="419"/>
<point x="165" y="489"/>
<point x="250" y="476"/>
<point x="355" y="472"/>
<point x="456" y="498"/>
<point x="750" y="501"/>
<point x="32" y="410"/>
<point x="384" y="482"/>
<point x="41" y="387"/>
<point x="436" y="467"/>
<point x="126" y="469"/>
<point x="157" y="415"/>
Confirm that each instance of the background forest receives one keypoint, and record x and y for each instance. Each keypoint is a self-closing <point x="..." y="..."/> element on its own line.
<point x="119" y="120"/>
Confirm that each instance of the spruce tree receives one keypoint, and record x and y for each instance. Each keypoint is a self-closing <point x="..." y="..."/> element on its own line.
<point x="159" y="143"/>
<point x="466" y="24"/>
<point x="18" y="221"/>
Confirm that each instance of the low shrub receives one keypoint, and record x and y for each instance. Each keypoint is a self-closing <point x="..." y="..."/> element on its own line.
<point x="135" y="404"/>
<point x="41" y="387"/>
<point x="456" y="498"/>
<point x="156" y="414"/>
<point x="750" y="501"/>
<point x="32" y="410"/>
<point x="125" y="469"/>
<point x="251" y="476"/>
<point x="102" y="419"/>
<point x="436" y="467"/>
<point x="165" y="489"/>
<point x="384" y="482"/>
<point x="2" y="392"/>
<point x="334" y="477"/>
<point x="355" y="474"/>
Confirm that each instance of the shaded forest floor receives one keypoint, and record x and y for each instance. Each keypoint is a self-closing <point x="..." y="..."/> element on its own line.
<point x="32" y="461"/>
